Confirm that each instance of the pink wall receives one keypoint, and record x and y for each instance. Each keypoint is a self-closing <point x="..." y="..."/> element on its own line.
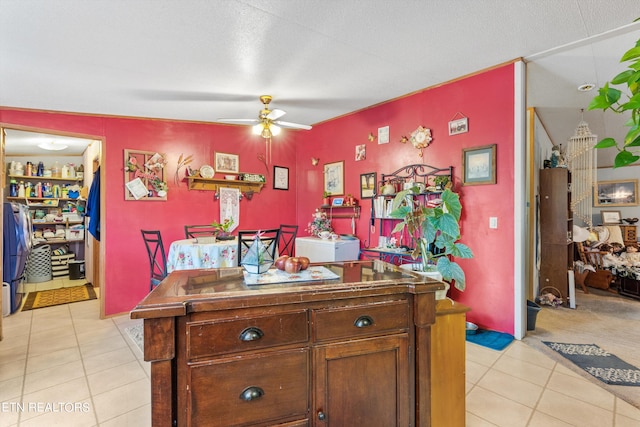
<point x="486" y="99"/>
<point x="126" y="264"/>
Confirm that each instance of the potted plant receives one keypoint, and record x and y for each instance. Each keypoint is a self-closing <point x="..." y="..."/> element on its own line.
<point x="224" y="228"/>
<point x="609" y="98"/>
<point x="441" y="181"/>
<point x="434" y="231"/>
<point x="325" y="198"/>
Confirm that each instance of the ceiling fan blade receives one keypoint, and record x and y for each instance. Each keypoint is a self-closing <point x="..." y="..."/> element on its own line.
<point x="291" y="125"/>
<point x="275" y="114"/>
<point x="239" y="121"/>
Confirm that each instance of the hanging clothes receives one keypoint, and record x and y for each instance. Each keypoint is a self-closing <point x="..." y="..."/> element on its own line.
<point x="93" y="206"/>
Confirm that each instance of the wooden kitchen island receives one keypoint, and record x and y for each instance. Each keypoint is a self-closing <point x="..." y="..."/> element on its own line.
<point x="349" y="351"/>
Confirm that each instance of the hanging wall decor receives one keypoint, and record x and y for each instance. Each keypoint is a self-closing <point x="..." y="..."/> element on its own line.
<point x="421" y="138"/>
<point x="458" y="124"/>
<point x="230" y="206"/>
<point x="144" y="175"/>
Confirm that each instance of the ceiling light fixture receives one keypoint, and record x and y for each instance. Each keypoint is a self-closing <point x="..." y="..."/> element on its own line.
<point x="52" y="146"/>
<point x="266" y="130"/>
<point x="586" y="87"/>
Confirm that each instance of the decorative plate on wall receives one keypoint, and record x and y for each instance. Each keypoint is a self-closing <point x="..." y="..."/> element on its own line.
<point x="206" y="171"/>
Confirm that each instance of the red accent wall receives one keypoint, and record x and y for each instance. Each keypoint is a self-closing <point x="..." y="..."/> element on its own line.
<point x="486" y="99"/>
<point x="126" y="262"/>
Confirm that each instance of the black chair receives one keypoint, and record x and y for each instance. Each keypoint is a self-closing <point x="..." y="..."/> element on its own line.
<point x="157" y="257"/>
<point x="286" y="241"/>
<point x="268" y="237"/>
<point x="195" y="231"/>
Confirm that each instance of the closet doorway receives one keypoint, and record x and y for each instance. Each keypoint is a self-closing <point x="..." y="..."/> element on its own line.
<point x="67" y="162"/>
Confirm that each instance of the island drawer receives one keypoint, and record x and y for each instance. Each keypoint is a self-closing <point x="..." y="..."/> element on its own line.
<point x="249" y="389"/>
<point x="348" y="322"/>
<point x="223" y="336"/>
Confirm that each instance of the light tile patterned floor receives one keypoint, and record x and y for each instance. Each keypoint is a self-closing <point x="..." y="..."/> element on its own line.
<point x="93" y="375"/>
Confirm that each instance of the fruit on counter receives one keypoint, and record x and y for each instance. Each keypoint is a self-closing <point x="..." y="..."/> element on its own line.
<point x="292" y="265"/>
<point x="280" y="261"/>
<point x="304" y="262"/>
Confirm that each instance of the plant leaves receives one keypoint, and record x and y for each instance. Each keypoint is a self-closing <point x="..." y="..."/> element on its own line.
<point x="451" y="271"/>
<point x="461" y="251"/>
<point x="606" y="143"/>
<point x="632" y="53"/>
<point x="623" y="77"/>
<point x="624" y="158"/>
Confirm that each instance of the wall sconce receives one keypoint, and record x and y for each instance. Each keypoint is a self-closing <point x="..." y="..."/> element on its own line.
<point x="314" y="161"/>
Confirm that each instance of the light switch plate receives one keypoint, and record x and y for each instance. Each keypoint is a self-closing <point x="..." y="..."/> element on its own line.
<point x="493" y="222"/>
<point x="383" y="135"/>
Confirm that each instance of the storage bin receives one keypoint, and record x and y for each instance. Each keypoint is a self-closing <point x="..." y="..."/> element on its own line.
<point x="38" y="268"/>
<point x="76" y="270"/>
<point x="75" y="233"/>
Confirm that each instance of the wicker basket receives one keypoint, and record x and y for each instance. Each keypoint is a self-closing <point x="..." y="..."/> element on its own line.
<point x="38" y="268"/>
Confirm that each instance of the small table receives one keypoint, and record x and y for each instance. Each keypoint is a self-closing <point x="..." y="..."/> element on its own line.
<point x="189" y="254"/>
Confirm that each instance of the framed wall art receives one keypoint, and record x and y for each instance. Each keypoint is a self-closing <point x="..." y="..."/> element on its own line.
<point x="611" y="217"/>
<point x="334" y="178"/>
<point x="337" y="201"/>
<point x="479" y="165"/>
<point x="459" y="126"/>
<point x="616" y="193"/>
<point x="144" y="175"/>
<point x="367" y="185"/>
<point x="280" y="178"/>
<point x="227" y="163"/>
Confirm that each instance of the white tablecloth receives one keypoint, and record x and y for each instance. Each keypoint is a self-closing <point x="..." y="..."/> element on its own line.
<point x="188" y="254"/>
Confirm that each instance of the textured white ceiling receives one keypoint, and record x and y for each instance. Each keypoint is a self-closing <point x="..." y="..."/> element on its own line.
<point x="208" y="59"/>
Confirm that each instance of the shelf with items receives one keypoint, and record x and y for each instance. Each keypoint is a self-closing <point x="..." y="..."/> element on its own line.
<point x="45" y="178"/>
<point x="431" y="181"/>
<point x="212" y="184"/>
<point x="335" y="212"/>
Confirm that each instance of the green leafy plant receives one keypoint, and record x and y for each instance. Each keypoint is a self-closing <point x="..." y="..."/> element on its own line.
<point x="441" y="180"/>
<point x="224" y="225"/>
<point x="433" y="227"/>
<point x="610" y="98"/>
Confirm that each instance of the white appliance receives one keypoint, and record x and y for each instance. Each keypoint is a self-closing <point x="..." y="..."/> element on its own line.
<point x="320" y="250"/>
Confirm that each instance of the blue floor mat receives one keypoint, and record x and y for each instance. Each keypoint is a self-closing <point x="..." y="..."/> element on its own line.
<point x="492" y="339"/>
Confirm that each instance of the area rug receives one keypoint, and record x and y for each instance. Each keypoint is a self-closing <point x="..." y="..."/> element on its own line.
<point x="136" y="333"/>
<point x="491" y="339"/>
<point x="598" y="362"/>
<point x="41" y="299"/>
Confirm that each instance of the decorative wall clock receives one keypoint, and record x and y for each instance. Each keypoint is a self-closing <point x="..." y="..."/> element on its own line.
<point x="421" y="138"/>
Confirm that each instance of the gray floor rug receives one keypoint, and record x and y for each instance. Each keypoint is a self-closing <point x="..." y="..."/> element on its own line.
<point x="600" y="363"/>
<point x="603" y="318"/>
<point x="136" y="333"/>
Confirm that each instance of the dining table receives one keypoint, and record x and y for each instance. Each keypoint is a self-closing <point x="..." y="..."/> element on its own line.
<point x="191" y="254"/>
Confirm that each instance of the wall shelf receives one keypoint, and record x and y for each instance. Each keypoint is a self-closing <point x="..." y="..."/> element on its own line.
<point x="212" y="184"/>
<point x="341" y="211"/>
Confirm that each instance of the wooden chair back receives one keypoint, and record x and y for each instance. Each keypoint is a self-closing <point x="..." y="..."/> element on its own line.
<point x="269" y="238"/>
<point x="195" y="231"/>
<point x="286" y="241"/>
<point x="157" y="256"/>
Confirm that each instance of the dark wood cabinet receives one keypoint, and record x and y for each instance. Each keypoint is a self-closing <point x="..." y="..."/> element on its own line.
<point x="629" y="235"/>
<point x="556" y="231"/>
<point x="344" y="352"/>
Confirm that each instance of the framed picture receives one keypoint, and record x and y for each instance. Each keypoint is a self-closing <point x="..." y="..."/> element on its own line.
<point x="611" y="217"/>
<point x="280" y="178"/>
<point x="479" y="165"/>
<point x="459" y="126"/>
<point x="337" y="201"/>
<point x="361" y="152"/>
<point x="227" y="163"/>
<point x="616" y="193"/>
<point x="367" y="185"/>
<point x="334" y="178"/>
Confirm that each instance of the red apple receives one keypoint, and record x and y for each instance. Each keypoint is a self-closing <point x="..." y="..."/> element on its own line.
<point x="292" y="265"/>
<point x="280" y="261"/>
<point x="304" y="262"/>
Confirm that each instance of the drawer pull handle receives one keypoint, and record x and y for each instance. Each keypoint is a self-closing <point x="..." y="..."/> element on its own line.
<point x="251" y="334"/>
<point x="321" y="416"/>
<point x="251" y="393"/>
<point x="363" y="322"/>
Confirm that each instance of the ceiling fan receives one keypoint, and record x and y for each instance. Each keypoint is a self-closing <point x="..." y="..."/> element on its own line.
<point x="267" y="123"/>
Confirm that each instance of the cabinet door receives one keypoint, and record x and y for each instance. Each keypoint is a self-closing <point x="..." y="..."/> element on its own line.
<point x="363" y="383"/>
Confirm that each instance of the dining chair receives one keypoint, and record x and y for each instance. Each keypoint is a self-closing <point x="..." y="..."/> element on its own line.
<point x="269" y="238"/>
<point x="194" y="231"/>
<point x="157" y="257"/>
<point x="286" y="241"/>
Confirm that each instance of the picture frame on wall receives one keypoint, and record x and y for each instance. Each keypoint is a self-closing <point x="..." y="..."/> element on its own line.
<point x="337" y="201"/>
<point x="367" y="185"/>
<point x="227" y="163"/>
<point x="479" y="165"/>
<point x="459" y="126"/>
<point x="334" y="178"/>
<point x="611" y="217"/>
<point x="280" y="178"/>
<point x="623" y="192"/>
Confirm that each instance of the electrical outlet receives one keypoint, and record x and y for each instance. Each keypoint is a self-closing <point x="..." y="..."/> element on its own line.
<point x="493" y="222"/>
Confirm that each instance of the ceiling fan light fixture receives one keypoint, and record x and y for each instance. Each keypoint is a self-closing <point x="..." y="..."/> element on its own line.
<point x="257" y="129"/>
<point x="275" y="130"/>
<point x="52" y="146"/>
<point x="586" y="87"/>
